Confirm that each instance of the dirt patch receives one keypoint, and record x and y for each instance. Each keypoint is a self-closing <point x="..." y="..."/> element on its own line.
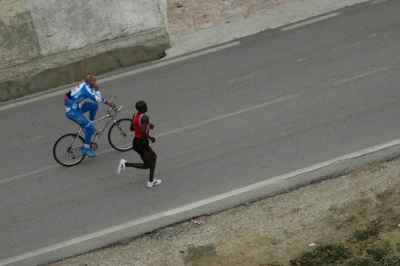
<point x="349" y="218"/>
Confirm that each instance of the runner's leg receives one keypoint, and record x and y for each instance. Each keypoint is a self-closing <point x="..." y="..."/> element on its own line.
<point x="149" y="158"/>
<point x="153" y="159"/>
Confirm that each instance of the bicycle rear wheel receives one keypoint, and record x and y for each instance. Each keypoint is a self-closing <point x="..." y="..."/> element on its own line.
<point x="68" y="150"/>
<point x="120" y="136"/>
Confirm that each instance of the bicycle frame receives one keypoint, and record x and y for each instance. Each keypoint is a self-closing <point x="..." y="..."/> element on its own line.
<point x="109" y="115"/>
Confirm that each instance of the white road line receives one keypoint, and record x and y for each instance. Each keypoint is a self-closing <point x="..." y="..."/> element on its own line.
<point x="171" y="61"/>
<point x="230" y="114"/>
<point x="298" y="25"/>
<point x="378" y="1"/>
<point x="198" y="203"/>
<point x="58" y="91"/>
<point x="362" y="75"/>
<point x="168" y="133"/>
<point x="27" y="174"/>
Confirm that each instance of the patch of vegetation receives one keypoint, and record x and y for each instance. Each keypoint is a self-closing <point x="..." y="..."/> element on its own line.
<point x="295" y="210"/>
<point x="354" y="253"/>
<point x="361" y="235"/>
<point x="350" y="219"/>
<point x="387" y="194"/>
<point x="377" y="254"/>
<point x="361" y="262"/>
<point x="341" y="255"/>
<point x="393" y="217"/>
<point x="390" y="261"/>
<point x="200" y="252"/>
<point x="375" y="167"/>
<point x="339" y="224"/>
<point x="372" y="168"/>
<point x="333" y="208"/>
<point x="322" y="255"/>
<point x="124" y="242"/>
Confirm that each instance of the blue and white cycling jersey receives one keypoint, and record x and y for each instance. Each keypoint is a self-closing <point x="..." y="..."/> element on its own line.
<point x="77" y="96"/>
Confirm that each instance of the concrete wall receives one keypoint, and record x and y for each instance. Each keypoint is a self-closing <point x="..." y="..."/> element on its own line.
<point x="48" y="43"/>
<point x="18" y="40"/>
<point x="33" y="28"/>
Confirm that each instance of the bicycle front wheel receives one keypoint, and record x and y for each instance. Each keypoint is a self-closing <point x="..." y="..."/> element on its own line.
<point x="68" y="150"/>
<point x="120" y="136"/>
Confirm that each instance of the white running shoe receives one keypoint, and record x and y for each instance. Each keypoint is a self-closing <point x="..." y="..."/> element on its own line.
<point x="154" y="183"/>
<point x="121" y="165"/>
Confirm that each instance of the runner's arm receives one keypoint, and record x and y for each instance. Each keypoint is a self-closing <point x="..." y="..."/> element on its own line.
<point x="146" y="128"/>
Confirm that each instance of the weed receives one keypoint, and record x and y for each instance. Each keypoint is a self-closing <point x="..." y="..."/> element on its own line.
<point x="200" y="252"/>
<point x="371" y="231"/>
<point x="350" y="219"/>
<point x="377" y="254"/>
<point x="124" y="242"/>
<point x="287" y="233"/>
<point x="398" y="247"/>
<point x="384" y="195"/>
<point x="393" y="217"/>
<point x="333" y="208"/>
<point x="374" y="167"/>
<point x="361" y="262"/>
<point x="322" y="255"/>
<point x="295" y="210"/>
<point x="390" y="261"/>
<point x="343" y="224"/>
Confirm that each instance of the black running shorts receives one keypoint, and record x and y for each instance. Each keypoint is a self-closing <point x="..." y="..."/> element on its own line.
<point x="138" y="145"/>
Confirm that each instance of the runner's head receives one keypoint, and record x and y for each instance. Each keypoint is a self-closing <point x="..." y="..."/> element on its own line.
<point x="141" y="106"/>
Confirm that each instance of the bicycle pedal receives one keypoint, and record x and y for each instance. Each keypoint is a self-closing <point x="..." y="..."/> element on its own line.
<point x="94" y="146"/>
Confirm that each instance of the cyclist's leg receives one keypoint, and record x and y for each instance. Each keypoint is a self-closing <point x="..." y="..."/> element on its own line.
<point x="80" y="119"/>
<point x="92" y="107"/>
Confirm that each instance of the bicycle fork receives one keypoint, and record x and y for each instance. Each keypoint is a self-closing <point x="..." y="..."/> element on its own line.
<point x="120" y="129"/>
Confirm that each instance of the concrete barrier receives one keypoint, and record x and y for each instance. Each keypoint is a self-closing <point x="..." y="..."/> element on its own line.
<point x="45" y="44"/>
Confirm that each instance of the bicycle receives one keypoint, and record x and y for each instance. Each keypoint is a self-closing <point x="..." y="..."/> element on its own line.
<point x="67" y="150"/>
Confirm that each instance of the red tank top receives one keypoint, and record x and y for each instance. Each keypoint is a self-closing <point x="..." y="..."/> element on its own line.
<point x="137" y="126"/>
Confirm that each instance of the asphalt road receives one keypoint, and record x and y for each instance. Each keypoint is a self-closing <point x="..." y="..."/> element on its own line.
<point x="267" y="105"/>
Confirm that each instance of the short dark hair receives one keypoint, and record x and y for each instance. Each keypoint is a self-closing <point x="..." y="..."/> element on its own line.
<point x="140" y="106"/>
<point x="88" y="77"/>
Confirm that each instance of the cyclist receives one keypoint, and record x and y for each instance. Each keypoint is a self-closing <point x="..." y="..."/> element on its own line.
<point x="140" y="144"/>
<point x="76" y="106"/>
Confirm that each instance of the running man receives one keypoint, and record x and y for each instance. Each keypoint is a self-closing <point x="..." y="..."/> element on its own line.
<point x="142" y="126"/>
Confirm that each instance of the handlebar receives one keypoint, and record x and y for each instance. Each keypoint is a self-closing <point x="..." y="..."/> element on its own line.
<point x="114" y="108"/>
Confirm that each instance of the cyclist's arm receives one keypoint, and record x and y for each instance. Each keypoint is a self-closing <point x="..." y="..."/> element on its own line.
<point x="94" y="96"/>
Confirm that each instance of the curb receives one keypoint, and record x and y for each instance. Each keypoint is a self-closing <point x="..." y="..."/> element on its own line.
<point x="30" y="78"/>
